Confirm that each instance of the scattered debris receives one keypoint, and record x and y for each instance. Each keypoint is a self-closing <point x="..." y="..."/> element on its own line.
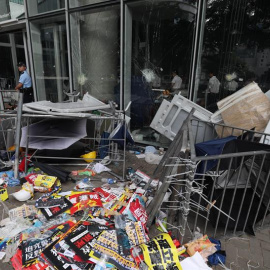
<point x="104" y="220"/>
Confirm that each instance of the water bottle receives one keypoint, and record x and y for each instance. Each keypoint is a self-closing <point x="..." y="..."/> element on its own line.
<point x="108" y="180"/>
<point x="84" y="184"/>
<point x="86" y="180"/>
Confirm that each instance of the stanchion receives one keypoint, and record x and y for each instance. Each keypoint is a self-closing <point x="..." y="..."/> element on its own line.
<point x="18" y="135"/>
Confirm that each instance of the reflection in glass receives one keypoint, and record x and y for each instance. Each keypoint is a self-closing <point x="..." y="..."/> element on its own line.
<point x="7" y="78"/>
<point x="95" y="52"/>
<point x="18" y="38"/>
<point x="236" y="46"/>
<point x="50" y="58"/>
<point x="159" y="38"/>
<point x="11" y="9"/>
<point x="78" y="3"/>
<point x="20" y="55"/>
<point x="40" y="6"/>
<point x="4" y="38"/>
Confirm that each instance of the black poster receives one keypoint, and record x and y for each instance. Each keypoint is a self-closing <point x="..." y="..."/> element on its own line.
<point x="81" y="239"/>
<point x="31" y="250"/>
<point x="54" y="258"/>
<point x="57" y="210"/>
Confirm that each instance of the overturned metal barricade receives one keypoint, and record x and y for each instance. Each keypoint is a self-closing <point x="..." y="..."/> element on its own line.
<point x="229" y="198"/>
<point x="238" y="183"/>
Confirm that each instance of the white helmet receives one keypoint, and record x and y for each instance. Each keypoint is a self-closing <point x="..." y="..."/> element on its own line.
<point x="26" y="193"/>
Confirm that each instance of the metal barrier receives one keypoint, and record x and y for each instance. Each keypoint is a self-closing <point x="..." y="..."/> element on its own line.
<point x="98" y="124"/>
<point x="228" y="189"/>
<point x="105" y="121"/>
<point x="232" y="188"/>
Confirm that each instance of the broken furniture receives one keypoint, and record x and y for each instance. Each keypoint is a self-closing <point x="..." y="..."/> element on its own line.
<point x="171" y="115"/>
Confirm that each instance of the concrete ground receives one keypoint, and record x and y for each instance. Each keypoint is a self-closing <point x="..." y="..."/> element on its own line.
<point x="244" y="252"/>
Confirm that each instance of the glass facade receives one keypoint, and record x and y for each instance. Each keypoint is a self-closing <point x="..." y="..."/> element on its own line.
<point x="49" y="45"/>
<point x="128" y="54"/>
<point x="12" y="51"/>
<point x="236" y="47"/>
<point x="11" y="9"/>
<point x="4" y="38"/>
<point x="79" y="3"/>
<point x="95" y="50"/>
<point x="159" y="37"/>
<point x="40" y="6"/>
<point x="6" y="71"/>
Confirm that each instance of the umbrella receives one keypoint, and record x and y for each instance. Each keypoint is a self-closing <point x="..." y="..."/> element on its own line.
<point x="61" y="174"/>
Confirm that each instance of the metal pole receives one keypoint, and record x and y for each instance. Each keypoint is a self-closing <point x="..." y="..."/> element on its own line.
<point x="190" y="179"/>
<point x="122" y="37"/>
<point x="69" y="48"/>
<point x="27" y="145"/>
<point x="18" y="135"/>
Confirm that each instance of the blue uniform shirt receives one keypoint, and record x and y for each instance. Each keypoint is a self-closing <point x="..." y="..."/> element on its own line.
<point x="25" y="79"/>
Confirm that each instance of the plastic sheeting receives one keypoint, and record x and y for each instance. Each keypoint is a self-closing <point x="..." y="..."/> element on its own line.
<point x="68" y="132"/>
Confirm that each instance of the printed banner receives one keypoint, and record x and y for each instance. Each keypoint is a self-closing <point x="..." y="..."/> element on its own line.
<point x="161" y="253"/>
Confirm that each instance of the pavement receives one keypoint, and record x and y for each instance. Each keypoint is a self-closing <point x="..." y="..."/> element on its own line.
<point x="248" y="252"/>
<point x="243" y="252"/>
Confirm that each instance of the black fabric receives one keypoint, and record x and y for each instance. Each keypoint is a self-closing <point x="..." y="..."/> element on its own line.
<point x="236" y="208"/>
<point x="210" y="148"/>
<point x="240" y="146"/>
<point x="75" y="150"/>
<point x="61" y="174"/>
<point x="252" y="168"/>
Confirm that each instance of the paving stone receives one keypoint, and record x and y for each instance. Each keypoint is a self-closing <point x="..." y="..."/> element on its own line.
<point x="264" y="230"/>
<point x="242" y="262"/>
<point x="253" y="264"/>
<point x="254" y="245"/>
<point x="262" y="236"/>
<point x="239" y="243"/>
<point x="223" y="244"/>
<point x="231" y="253"/>
<point x="244" y="253"/>
<point x="235" y="267"/>
<point x="265" y="245"/>
<point x="266" y="258"/>
<point x="257" y="258"/>
<point x="267" y="220"/>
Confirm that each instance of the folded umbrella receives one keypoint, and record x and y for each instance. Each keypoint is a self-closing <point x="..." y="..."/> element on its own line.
<point x="60" y="173"/>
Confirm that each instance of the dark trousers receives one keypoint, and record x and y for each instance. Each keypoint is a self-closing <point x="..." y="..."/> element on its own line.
<point x="28" y="94"/>
<point x="212" y="102"/>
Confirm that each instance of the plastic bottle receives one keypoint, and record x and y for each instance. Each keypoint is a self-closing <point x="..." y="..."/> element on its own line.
<point x="85" y="183"/>
<point x="86" y="180"/>
<point x="108" y="180"/>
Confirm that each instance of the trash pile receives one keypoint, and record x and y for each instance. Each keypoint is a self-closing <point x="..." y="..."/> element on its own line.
<point x="93" y="227"/>
<point x="112" y="224"/>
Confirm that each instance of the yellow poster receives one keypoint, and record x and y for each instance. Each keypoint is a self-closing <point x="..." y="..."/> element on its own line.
<point x="161" y="253"/>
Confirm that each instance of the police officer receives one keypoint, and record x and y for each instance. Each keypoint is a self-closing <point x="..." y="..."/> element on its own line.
<point x="25" y="84"/>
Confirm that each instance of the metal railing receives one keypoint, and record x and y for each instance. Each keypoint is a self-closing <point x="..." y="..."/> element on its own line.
<point x="100" y="123"/>
<point x="232" y="188"/>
